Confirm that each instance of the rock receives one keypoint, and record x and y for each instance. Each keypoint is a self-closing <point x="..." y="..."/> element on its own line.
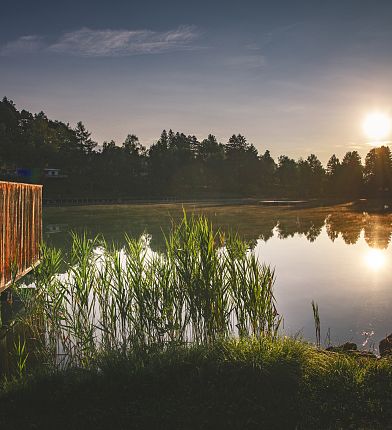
<point x="351" y="349"/>
<point x="363" y="354"/>
<point x="346" y="347"/>
<point x="385" y="346"/>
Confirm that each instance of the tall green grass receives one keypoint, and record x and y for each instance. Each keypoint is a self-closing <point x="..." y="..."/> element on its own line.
<point x="204" y="286"/>
<point x="255" y="383"/>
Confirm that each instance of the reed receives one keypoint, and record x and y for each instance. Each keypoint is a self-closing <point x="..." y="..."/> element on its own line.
<point x="202" y="288"/>
<point x="317" y="326"/>
<point x="21" y="356"/>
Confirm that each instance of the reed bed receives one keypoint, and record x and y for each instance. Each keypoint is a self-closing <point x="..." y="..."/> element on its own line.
<point x="204" y="286"/>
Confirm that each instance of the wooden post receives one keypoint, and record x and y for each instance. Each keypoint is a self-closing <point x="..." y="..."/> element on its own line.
<point x="20" y="230"/>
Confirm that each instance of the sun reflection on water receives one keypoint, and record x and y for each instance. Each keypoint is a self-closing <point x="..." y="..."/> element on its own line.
<point x="375" y="259"/>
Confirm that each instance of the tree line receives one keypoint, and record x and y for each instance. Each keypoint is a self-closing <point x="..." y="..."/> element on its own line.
<point x="177" y="165"/>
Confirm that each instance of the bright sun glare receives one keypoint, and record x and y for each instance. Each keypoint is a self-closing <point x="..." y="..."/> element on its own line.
<point x="377" y="125"/>
<point x="375" y="259"/>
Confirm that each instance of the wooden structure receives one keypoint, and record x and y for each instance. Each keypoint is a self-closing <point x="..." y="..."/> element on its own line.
<point x="20" y="230"/>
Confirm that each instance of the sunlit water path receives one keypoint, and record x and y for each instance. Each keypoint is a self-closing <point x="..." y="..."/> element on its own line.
<point x="351" y="283"/>
<point x="338" y="258"/>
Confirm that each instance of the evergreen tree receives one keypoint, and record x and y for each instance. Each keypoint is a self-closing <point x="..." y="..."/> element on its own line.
<point x="378" y="171"/>
<point x="351" y="181"/>
<point x="85" y="143"/>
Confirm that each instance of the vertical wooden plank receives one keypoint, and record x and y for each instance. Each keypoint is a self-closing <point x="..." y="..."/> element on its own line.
<point x="20" y="228"/>
<point x="2" y="233"/>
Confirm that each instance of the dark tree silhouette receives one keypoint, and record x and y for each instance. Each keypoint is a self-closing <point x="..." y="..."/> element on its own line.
<point x="378" y="171"/>
<point x="351" y="180"/>
<point x="85" y="143"/>
<point x="333" y="174"/>
<point x="176" y="165"/>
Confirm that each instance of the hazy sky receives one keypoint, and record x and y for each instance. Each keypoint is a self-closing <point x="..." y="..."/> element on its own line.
<point x="292" y="76"/>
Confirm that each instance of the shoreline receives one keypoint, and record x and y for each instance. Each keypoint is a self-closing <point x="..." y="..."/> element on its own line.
<point x="374" y="206"/>
<point x="176" y="200"/>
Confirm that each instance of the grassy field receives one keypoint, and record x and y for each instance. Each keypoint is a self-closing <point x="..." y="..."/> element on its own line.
<point x="232" y="384"/>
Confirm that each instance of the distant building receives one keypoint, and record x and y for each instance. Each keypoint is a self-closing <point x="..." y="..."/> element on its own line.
<point x="34" y="175"/>
<point x="53" y="173"/>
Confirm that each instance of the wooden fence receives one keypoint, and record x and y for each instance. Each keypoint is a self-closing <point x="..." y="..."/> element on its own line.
<point x="20" y="230"/>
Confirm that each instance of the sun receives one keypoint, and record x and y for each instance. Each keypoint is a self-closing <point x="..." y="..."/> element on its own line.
<point x="377" y="125"/>
<point x="375" y="259"/>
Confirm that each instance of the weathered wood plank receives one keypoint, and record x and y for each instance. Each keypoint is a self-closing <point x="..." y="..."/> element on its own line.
<point x="20" y="229"/>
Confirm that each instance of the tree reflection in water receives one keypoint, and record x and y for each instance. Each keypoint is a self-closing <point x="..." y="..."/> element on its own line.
<point x="377" y="228"/>
<point x="252" y="222"/>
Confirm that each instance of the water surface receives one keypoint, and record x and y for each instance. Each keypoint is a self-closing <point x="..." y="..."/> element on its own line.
<point x="337" y="257"/>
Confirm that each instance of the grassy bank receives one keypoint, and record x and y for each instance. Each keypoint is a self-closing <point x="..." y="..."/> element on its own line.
<point x="242" y="384"/>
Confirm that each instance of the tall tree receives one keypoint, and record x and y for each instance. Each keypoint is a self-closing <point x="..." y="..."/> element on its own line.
<point x="86" y="144"/>
<point x="333" y="173"/>
<point x="313" y="175"/>
<point x="241" y="165"/>
<point x="287" y="174"/>
<point x="351" y="180"/>
<point x="209" y="149"/>
<point x="267" y="172"/>
<point x="378" y="171"/>
<point x="132" y="146"/>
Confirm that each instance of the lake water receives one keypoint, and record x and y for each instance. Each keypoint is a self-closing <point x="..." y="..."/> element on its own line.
<point x="339" y="258"/>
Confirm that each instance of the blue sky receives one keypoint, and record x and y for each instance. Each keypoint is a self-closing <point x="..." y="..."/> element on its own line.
<point x="292" y="76"/>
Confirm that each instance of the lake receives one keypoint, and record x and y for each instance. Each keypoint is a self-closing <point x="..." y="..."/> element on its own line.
<point x="337" y="257"/>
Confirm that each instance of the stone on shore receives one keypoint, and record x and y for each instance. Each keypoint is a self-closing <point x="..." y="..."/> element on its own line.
<point x="351" y="349"/>
<point x="385" y="346"/>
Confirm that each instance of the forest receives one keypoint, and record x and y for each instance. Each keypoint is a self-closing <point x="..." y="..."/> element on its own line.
<point x="176" y="165"/>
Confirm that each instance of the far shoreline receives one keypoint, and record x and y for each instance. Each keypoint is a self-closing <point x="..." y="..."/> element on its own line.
<point x="378" y="206"/>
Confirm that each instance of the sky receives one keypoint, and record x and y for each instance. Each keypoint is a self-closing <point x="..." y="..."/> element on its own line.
<point x="295" y="77"/>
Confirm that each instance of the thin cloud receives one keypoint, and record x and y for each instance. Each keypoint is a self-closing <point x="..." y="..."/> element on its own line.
<point x="375" y="143"/>
<point x="107" y="43"/>
<point x="365" y="145"/>
<point x="23" y="45"/>
<point x="247" y="61"/>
